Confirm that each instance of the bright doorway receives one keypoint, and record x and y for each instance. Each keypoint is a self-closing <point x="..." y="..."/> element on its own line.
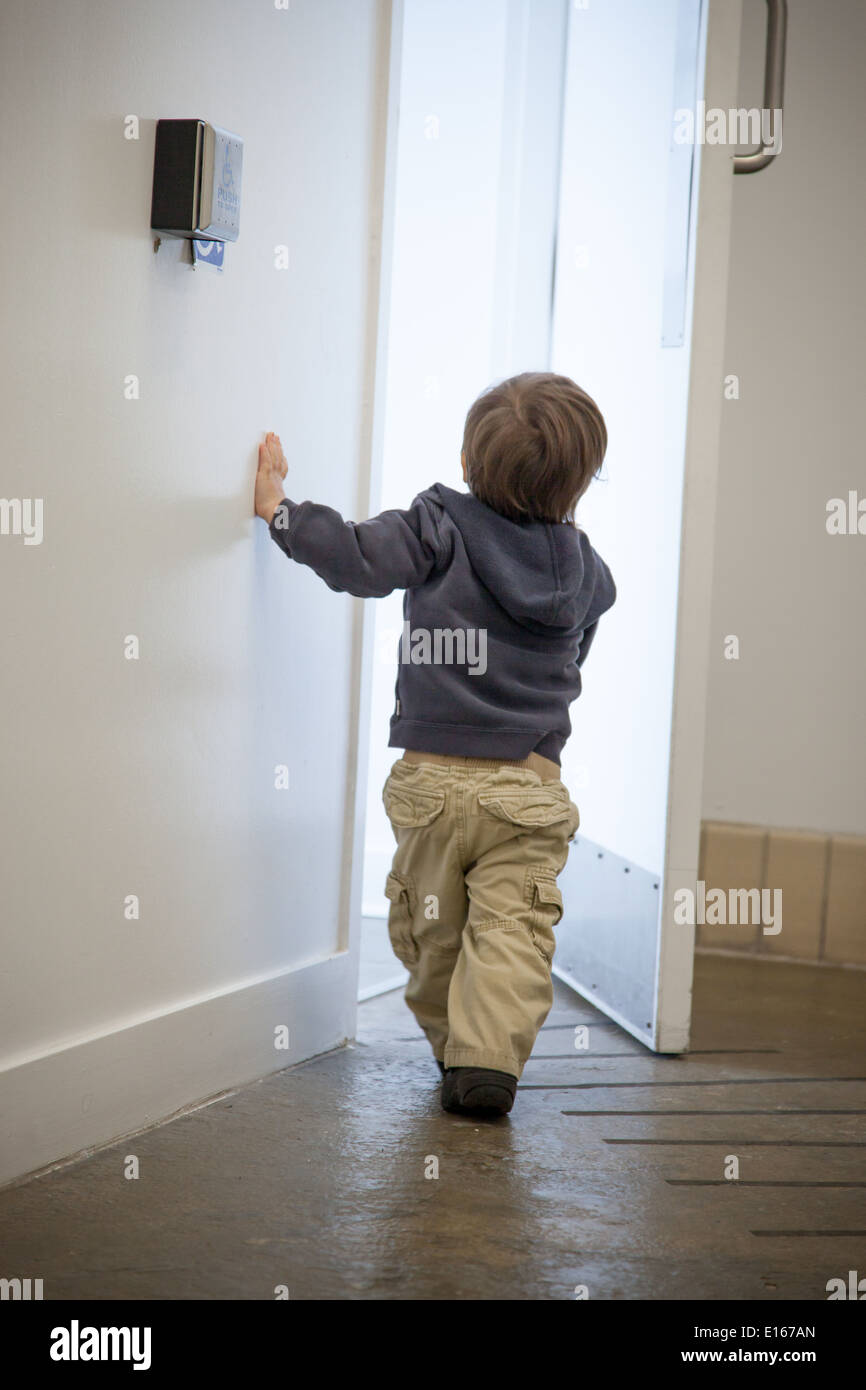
<point x="544" y="217"/>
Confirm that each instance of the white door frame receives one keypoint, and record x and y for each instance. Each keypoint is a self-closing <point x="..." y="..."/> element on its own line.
<point x="372" y="452"/>
<point x="674" y="971"/>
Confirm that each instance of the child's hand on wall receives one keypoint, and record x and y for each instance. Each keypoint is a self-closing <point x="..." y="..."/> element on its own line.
<point x="269" y="478"/>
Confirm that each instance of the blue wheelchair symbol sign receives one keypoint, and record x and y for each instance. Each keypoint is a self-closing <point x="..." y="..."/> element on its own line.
<point x="208" y="253"/>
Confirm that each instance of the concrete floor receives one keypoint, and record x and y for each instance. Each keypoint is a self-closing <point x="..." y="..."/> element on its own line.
<point x="609" y="1173"/>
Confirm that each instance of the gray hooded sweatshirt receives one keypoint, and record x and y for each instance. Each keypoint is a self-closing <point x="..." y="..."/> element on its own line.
<point x="498" y="615"/>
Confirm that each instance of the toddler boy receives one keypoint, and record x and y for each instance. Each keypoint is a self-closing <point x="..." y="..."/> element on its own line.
<point x="503" y="593"/>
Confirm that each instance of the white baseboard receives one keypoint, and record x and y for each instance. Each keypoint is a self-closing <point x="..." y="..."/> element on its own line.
<point x="384" y="986"/>
<point x="90" y="1093"/>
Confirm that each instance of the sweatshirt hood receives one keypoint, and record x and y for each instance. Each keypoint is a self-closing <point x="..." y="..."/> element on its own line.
<point x="545" y="576"/>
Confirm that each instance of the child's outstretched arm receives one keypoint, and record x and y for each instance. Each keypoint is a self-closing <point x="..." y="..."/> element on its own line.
<point x="394" y="550"/>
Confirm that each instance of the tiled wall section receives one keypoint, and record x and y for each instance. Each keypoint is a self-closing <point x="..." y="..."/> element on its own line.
<point x="822" y="879"/>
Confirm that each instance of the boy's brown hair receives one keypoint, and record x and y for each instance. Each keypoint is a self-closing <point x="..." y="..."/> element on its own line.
<point x="533" y="444"/>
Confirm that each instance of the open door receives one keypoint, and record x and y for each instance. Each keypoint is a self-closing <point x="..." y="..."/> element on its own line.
<point x="533" y="145"/>
<point x="639" y="318"/>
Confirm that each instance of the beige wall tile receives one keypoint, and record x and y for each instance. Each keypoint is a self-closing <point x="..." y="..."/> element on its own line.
<point x="796" y="864"/>
<point x="845" y="937"/>
<point x="731" y="857"/>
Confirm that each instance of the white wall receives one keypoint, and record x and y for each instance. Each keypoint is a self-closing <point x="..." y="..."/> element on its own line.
<point x="156" y="777"/>
<point x="784" y="741"/>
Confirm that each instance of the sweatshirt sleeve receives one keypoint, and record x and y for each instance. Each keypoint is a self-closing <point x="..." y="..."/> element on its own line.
<point x="586" y="642"/>
<point x="394" y="550"/>
<point x="603" y="599"/>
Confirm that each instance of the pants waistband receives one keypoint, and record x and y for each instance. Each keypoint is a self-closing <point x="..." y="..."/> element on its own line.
<point x="547" y="769"/>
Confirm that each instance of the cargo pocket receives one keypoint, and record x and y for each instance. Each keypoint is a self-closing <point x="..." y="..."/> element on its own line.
<point x="400" y="891"/>
<point x="530" y="807"/>
<point x="411" y="806"/>
<point x="545" y="910"/>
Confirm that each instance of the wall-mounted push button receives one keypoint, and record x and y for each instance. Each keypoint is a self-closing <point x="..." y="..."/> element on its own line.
<point x="196" y="181"/>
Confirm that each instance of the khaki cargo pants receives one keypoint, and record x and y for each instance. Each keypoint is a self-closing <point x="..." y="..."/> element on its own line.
<point x="474" y="902"/>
